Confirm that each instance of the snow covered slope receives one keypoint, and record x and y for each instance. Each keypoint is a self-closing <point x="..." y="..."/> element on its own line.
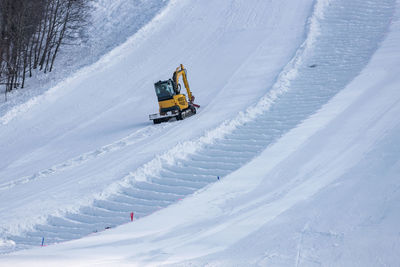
<point x="110" y="23"/>
<point x="92" y="130"/>
<point x="323" y="191"/>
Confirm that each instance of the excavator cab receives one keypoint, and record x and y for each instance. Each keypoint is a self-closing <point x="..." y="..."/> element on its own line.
<point x="164" y="90"/>
<point x="172" y="103"/>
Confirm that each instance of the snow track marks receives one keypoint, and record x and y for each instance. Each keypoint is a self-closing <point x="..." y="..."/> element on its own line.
<point x="129" y="140"/>
<point x="342" y="37"/>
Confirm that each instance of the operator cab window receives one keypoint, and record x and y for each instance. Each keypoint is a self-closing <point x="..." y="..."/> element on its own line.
<point x="164" y="91"/>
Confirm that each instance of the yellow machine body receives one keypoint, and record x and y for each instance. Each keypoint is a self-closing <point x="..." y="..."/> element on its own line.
<point x="170" y="100"/>
<point x="178" y="100"/>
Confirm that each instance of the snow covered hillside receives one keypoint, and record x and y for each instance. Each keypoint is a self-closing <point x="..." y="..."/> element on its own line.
<point x="111" y="23"/>
<point x="292" y="160"/>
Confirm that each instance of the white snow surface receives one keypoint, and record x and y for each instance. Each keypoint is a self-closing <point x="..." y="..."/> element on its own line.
<point x="299" y="118"/>
<point x="67" y="148"/>
<point x="108" y="24"/>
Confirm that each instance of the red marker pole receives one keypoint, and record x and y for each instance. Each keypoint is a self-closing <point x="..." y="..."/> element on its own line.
<point x="131" y="216"/>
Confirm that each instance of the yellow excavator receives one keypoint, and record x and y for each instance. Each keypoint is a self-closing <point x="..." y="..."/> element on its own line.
<point x="172" y="103"/>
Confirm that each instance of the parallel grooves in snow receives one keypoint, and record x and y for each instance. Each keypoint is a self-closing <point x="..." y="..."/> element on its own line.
<point x="132" y="139"/>
<point x="338" y="46"/>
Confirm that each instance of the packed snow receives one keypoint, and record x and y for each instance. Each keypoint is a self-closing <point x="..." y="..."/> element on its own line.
<point x="108" y="24"/>
<point x="292" y="160"/>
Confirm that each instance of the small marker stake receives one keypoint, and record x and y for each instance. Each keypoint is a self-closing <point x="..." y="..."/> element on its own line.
<point x="131" y="216"/>
<point x="42" y="241"/>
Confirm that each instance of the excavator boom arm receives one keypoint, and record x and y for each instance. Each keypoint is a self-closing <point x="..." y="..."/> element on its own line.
<point x="181" y="71"/>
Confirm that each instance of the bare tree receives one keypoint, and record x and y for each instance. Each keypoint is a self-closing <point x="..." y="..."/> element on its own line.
<point x="32" y="33"/>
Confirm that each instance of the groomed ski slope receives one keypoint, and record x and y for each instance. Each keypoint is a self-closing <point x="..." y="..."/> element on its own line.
<point x="108" y="24"/>
<point x="90" y="133"/>
<point x="324" y="191"/>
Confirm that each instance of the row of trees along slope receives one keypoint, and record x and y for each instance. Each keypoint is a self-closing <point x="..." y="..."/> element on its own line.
<point x="31" y="34"/>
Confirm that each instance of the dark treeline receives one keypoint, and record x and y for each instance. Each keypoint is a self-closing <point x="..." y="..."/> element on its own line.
<point x="31" y="33"/>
